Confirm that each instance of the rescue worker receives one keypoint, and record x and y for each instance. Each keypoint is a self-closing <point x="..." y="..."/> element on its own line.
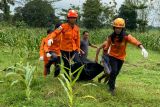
<point x="70" y="39"/>
<point x="116" y="47"/>
<point x="51" y="54"/>
<point x="42" y="52"/>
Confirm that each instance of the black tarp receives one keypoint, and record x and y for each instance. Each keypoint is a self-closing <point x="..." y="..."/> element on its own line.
<point x="90" y="70"/>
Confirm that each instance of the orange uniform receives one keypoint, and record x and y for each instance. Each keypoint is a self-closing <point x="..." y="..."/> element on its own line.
<point x="45" y="48"/>
<point x="118" y="49"/>
<point x="55" y="47"/>
<point x="70" y="38"/>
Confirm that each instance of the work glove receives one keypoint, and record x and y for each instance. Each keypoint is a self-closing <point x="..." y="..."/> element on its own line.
<point x="50" y="42"/>
<point x="41" y="58"/>
<point x="144" y="53"/>
<point x="48" y="55"/>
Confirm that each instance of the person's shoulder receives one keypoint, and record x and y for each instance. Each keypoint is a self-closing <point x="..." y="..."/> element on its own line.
<point x="64" y="24"/>
<point x="76" y="26"/>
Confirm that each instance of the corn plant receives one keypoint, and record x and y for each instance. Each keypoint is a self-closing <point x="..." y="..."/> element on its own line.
<point x="29" y="38"/>
<point x="1" y="81"/>
<point x="23" y="74"/>
<point x="68" y="83"/>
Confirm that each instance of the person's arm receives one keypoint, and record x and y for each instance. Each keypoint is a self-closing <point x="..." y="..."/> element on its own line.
<point x="82" y="52"/>
<point x="41" y="52"/>
<point x="135" y="42"/>
<point x="98" y="50"/>
<point x="54" y="34"/>
<point x="91" y="45"/>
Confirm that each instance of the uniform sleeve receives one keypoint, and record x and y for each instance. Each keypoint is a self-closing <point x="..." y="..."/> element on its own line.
<point x="41" y="52"/>
<point x="56" y="32"/>
<point x="133" y="40"/>
<point x="107" y="43"/>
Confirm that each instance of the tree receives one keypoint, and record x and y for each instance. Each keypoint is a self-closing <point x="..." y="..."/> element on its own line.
<point x="141" y="7"/>
<point x="154" y="12"/>
<point x="92" y="14"/>
<point x="136" y="13"/>
<point x="128" y="12"/>
<point x="37" y="13"/>
<point x="109" y="12"/>
<point x="5" y="7"/>
<point x="18" y="14"/>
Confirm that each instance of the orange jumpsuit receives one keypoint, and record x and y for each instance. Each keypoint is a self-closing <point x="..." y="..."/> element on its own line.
<point x="118" y="49"/>
<point x="44" y="48"/>
<point x="70" y="39"/>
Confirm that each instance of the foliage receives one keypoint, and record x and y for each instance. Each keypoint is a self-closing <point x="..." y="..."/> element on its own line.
<point x="68" y="82"/>
<point x="5" y="7"/>
<point x="92" y="14"/>
<point x="23" y="74"/>
<point x="36" y="13"/>
<point x="127" y="12"/>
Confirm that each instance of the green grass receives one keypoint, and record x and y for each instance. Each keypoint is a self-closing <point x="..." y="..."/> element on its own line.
<point x="138" y="84"/>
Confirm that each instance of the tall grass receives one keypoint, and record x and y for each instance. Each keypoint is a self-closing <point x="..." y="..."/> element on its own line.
<point x="68" y="82"/>
<point x="150" y="39"/>
<point x="22" y="37"/>
<point x="22" y="74"/>
<point x="29" y="38"/>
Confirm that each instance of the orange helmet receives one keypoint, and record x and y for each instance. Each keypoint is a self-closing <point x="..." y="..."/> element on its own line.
<point x="119" y="22"/>
<point x="72" y="13"/>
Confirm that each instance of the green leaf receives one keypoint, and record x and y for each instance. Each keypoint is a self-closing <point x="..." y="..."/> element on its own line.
<point x="10" y="74"/>
<point x="77" y="76"/>
<point x="64" y="71"/>
<point x="1" y="81"/>
<point x="89" y="84"/>
<point x="78" y="69"/>
<point x="89" y="96"/>
<point x="65" y="88"/>
<point x="68" y="84"/>
<point x="14" y="82"/>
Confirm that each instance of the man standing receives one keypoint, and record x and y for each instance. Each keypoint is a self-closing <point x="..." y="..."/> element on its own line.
<point x="70" y="38"/>
<point x="84" y="46"/>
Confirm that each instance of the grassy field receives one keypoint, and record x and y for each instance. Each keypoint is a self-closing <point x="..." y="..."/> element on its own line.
<point x="138" y="84"/>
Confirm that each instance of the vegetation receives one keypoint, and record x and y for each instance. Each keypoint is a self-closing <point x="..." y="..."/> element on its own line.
<point x="20" y="69"/>
<point x="137" y="84"/>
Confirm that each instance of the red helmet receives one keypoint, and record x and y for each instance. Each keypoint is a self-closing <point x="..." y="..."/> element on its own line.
<point x="72" y="13"/>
